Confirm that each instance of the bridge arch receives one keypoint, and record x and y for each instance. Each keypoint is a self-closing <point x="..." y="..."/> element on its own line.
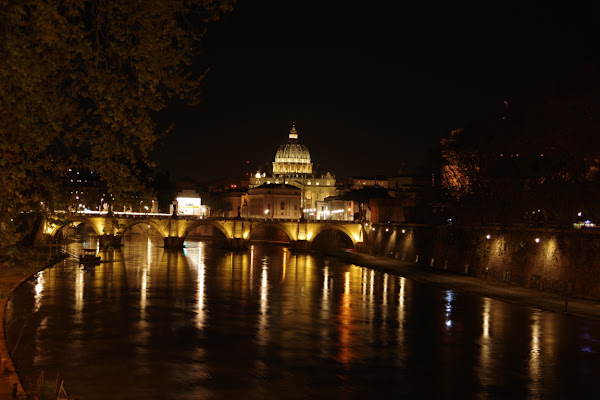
<point x="338" y="228"/>
<point x="73" y="221"/>
<point x="131" y="224"/>
<point x="270" y="225"/>
<point x="201" y="222"/>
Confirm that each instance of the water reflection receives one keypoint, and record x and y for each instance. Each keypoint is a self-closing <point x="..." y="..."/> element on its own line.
<point x="263" y="325"/>
<point x="535" y="367"/>
<point x="448" y="298"/>
<point x="401" y="311"/>
<point x="485" y="347"/>
<point x="345" y="325"/>
<point x="166" y="325"/>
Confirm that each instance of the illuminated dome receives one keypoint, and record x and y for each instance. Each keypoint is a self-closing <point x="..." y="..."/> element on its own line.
<point x="292" y="157"/>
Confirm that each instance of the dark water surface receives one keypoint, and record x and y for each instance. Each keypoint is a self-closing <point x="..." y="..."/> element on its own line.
<point x="267" y="324"/>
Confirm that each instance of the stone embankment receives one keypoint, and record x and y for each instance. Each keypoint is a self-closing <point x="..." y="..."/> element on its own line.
<point x="562" y="260"/>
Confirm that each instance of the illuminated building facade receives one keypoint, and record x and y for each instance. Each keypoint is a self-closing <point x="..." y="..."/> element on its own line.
<point x="274" y="201"/>
<point x="188" y="203"/>
<point x="293" y="166"/>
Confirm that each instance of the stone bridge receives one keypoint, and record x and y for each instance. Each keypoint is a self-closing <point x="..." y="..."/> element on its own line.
<point x="174" y="230"/>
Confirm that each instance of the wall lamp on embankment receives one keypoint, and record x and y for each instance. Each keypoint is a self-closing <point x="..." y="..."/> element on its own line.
<point x="537" y="240"/>
<point x="488" y="236"/>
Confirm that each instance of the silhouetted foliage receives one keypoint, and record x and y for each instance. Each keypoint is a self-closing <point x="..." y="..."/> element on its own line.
<point x="538" y="161"/>
<point x="79" y="83"/>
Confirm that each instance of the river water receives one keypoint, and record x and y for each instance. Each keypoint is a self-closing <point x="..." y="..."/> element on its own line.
<point x="267" y="324"/>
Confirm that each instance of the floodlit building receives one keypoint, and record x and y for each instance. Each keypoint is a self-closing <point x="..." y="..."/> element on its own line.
<point x="334" y="208"/>
<point x="189" y="203"/>
<point x="293" y="166"/>
<point x="274" y="201"/>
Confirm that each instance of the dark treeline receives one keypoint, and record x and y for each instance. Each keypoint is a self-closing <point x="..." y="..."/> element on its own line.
<point x="538" y="161"/>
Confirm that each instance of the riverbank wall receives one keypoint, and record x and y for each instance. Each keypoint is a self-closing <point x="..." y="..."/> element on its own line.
<point x="560" y="260"/>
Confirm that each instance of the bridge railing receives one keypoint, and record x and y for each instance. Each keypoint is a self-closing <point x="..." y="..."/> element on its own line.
<point x="208" y="218"/>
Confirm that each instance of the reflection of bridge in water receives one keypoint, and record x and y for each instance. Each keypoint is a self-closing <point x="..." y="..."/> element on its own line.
<point x="174" y="230"/>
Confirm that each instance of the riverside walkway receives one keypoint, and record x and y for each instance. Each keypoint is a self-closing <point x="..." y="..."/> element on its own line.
<point x="12" y="277"/>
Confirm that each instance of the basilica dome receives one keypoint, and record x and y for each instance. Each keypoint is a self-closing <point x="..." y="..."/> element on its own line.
<point x="292" y="157"/>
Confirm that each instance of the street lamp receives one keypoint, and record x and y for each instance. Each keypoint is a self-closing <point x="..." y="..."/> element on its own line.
<point x="266" y="214"/>
<point x="141" y="205"/>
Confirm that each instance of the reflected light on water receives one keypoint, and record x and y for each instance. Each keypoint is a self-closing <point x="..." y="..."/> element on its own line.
<point x="401" y="320"/>
<point x="384" y="293"/>
<point x="79" y="286"/>
<point x="39" y="289"/>
<point x="325" y="296"/>
<point x="345" y="325"/>
<point x="449" y="298"/>
<point x="325" y="280"/>
<point x="201" y="278"/>
<point x="486" y="317"/>
<point x="194" y="327"/>
<point x="284" y="267"/>
<point x="371" y="296"/>
<point x="485" y="346"/>
<point x="251" y="273"/>
<point x="263" y="318"/>
<point x="535" y="365"/>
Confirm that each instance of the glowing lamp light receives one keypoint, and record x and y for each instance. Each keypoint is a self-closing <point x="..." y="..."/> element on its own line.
<point x="537" y="240"/>
<point x="488" y="236"/>
<point x="403" y="230"/>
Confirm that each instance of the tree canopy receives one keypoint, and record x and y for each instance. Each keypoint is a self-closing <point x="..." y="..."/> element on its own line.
<point x="80" y="81"/>
<point x="540" y="157"/>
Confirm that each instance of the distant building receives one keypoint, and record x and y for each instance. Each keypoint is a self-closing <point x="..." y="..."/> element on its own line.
<point x="189" y="203"/>
<point x="273" y="201"/>
<point x="360" y="182"/>
<point x="238" y="201"/>
<point x="334" y="208"/>
<point x="293" y="166"/>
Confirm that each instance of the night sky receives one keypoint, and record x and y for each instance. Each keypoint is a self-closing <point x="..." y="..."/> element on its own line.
<point x="370" y="85"/>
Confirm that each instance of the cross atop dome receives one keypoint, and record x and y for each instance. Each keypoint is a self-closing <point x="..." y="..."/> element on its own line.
<point x="293" y="131"/>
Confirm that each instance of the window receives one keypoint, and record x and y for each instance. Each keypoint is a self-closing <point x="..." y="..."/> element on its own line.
<point x="282" y="206"/>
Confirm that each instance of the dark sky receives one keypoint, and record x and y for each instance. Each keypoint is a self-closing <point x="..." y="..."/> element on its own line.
<point x="370" y="85"/>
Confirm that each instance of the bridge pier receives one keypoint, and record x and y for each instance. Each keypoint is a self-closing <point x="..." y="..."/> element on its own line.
<point x="173" y="243"/>
<point x="300" y="246"/>
<point x="237" y="244"/>
<point x="360" y="246"/>
<point x="107" y="241"/>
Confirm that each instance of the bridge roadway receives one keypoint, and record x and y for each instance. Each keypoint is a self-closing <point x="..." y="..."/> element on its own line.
<point x="174" y="229"/>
